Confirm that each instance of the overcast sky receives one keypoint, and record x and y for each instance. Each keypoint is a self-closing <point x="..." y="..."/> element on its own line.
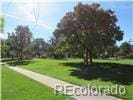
<point x="43" y="17"/>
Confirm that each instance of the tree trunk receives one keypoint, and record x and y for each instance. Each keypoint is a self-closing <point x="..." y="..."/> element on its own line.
<point x="90" y="55"/>
<point x="21" y="55"/>
<point x="86" y="57"/>
<point x="21" y="58"/>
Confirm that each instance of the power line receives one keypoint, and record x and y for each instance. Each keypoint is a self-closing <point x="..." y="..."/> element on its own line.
<point x="36" y="11"/>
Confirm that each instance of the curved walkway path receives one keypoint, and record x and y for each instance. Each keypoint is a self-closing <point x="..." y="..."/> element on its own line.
<point x="52" y="82"/>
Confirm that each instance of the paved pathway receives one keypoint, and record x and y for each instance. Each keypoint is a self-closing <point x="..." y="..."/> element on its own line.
<point x="51" y="82"/>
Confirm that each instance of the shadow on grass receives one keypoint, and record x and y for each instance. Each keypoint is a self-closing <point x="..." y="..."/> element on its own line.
<point x="19" y="63"/>
<point x="116" y="73"/>
<point x="59" y="58"/>
<point x="7" y="59"/>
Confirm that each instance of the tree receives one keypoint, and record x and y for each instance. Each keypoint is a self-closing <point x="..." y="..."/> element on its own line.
<point x="23" y="39"/>
<point x="125" y="49"/>
<point x="18" y="43"/>
<point x="111" y="51"/>
<point x="8" y="46"/>
<point x="2" y="41"/>
<point x="2" y="24"/>
<point x="12" y="45"/>
<point x="3" y="48"/>
<point x="88" y="27"/>
<point x="131" y="53"/>
<point x="40" y="47"/>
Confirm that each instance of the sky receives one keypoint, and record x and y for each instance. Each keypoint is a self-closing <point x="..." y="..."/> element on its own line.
<point x="42" y="17"/>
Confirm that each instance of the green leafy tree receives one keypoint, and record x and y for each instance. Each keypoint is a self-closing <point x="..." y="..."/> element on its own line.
<point x="2" y="21"/>
<point x="23" y="39"/>
<point x="8" y="46"/>
<point x="88" y="27"/>
<point x="40" y="47"/>
<point x="3" y="48"/>
<point x="131" y="53"/>
<point x="2" y="41"/>
<point x="12" y="45"/>
<point x="110" y="51"/>
<point x="125" y="49"/>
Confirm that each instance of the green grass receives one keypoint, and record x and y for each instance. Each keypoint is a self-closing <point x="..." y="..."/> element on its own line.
<point x="18" y="87"/>
<point x="102" y="72"/>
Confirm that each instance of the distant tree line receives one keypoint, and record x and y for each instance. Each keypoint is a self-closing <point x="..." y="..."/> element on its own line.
<point x="21" y="45"/>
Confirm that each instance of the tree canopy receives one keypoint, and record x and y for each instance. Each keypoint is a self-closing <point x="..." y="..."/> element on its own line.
<point x="2" y="21"/>
<point x="88" y="27"/>
<point x="19" y="41"/>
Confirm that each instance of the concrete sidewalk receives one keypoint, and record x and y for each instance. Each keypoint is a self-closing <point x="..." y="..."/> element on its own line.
<point x="52" y="82"/>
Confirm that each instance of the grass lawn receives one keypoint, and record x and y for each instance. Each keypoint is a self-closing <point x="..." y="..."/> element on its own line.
<point x="101" y="73"/>
<point x="18" y="87"/>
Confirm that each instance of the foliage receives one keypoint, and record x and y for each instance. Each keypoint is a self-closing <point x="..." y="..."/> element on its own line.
<point x="21" y="45"/>
<point x="126" y="49"/>
<point x="88" y="27"/>
<point x="2" y="21"/>
<point x="18" y="43"/>
<point x="40" y="47"/>
<point x="23" y="39"/>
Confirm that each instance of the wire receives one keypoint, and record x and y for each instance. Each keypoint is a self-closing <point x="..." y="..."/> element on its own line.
<point x="36" y="11"/>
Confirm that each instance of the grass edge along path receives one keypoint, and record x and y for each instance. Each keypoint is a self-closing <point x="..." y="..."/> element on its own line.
<point x="62" y="69"/>
<point x="51" y="82"/>
<point x="18" y="87"/>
